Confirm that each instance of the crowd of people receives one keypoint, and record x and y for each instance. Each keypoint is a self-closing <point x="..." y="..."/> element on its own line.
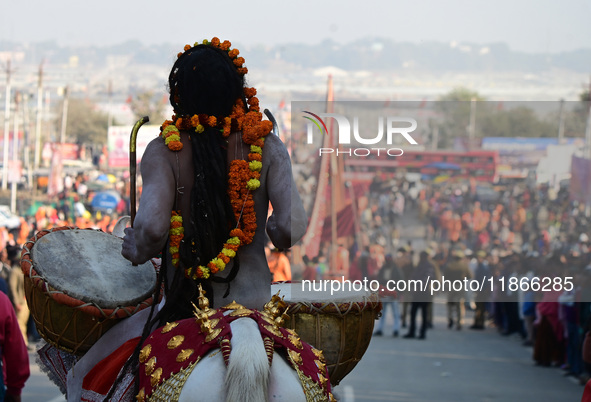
<point x="535" y="238"/>
<point x="528" y="245"/>
<point x="528" y="233"/>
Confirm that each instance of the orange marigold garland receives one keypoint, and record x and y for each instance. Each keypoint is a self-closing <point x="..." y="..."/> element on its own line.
<point x="243" y="176"/>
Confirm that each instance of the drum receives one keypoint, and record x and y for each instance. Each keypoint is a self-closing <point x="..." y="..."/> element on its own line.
<point x="78" y="285"/>
<point x="340" y="323"/>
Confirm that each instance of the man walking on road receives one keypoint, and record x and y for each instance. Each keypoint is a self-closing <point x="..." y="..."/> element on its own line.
<point x="456" y="270"/>
<point x="481" y="273"/>
<point x="421" y="295"/>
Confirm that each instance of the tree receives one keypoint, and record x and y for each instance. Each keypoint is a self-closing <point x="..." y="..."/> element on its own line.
<point x="455" y="109"/>
<point x="520" y="121"/>
<point x="85" y="124"/>
<point x="148" y="104"/>
<point x="461" y="94"/>
<point x="458" y="112"/>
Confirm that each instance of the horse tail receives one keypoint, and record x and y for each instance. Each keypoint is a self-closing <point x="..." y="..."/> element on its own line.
<point x="247" y="378"/>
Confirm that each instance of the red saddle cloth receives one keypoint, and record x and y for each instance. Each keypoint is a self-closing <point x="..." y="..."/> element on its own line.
<point x="177" y="345"/>
<point x="174" y="347"/>
<point x="98" y="382"/>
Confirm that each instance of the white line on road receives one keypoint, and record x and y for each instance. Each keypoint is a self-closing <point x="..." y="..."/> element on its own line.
<point x="349" y="394"/>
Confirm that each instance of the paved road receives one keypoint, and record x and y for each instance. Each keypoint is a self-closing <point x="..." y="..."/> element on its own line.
<point x="38" y="388"/>
<point x="453" y="365"/>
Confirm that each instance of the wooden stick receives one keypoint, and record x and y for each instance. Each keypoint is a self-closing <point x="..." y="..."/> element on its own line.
<point x="133" y="165"/>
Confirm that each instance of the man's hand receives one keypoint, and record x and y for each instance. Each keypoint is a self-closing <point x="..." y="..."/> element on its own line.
<point x="129" y="248"/>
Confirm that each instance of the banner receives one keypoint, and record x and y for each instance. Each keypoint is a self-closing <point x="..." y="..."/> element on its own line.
<point x="519" y="155"/>
<point x="118" y="143"/>
<point x="580" y="182"/>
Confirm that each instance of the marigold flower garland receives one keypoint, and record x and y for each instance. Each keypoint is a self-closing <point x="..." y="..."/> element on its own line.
<point x="243" y="176"/>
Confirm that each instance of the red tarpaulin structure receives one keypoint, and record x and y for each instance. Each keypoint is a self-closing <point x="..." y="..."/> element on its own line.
<point x="345" y="224"/>
<point x="329" y="193"/>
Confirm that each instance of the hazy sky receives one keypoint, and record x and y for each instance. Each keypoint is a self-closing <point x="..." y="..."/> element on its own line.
<point x="525" y="25"/>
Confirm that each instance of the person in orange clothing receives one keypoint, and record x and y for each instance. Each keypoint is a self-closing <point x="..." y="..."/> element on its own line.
<point x="467" y="220"/>
<point x="103" y="224"/>
<point x="23" y="232"/>
<point x="341" y="268"/>
<point x="480" y="218"/>
<point x="455" y="225"/>
<point x="40" y="217"/>
<point x="279" y="265"/>
<point x="445" y="223"/>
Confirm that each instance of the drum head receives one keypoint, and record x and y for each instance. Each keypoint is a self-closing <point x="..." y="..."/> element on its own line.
<point x="88" y="265"/>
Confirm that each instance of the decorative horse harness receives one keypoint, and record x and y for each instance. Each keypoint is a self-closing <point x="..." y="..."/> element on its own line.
<point x="171" y="352"/>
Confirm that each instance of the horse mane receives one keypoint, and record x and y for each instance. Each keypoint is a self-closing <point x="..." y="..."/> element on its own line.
<point x="247" y="378"/>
